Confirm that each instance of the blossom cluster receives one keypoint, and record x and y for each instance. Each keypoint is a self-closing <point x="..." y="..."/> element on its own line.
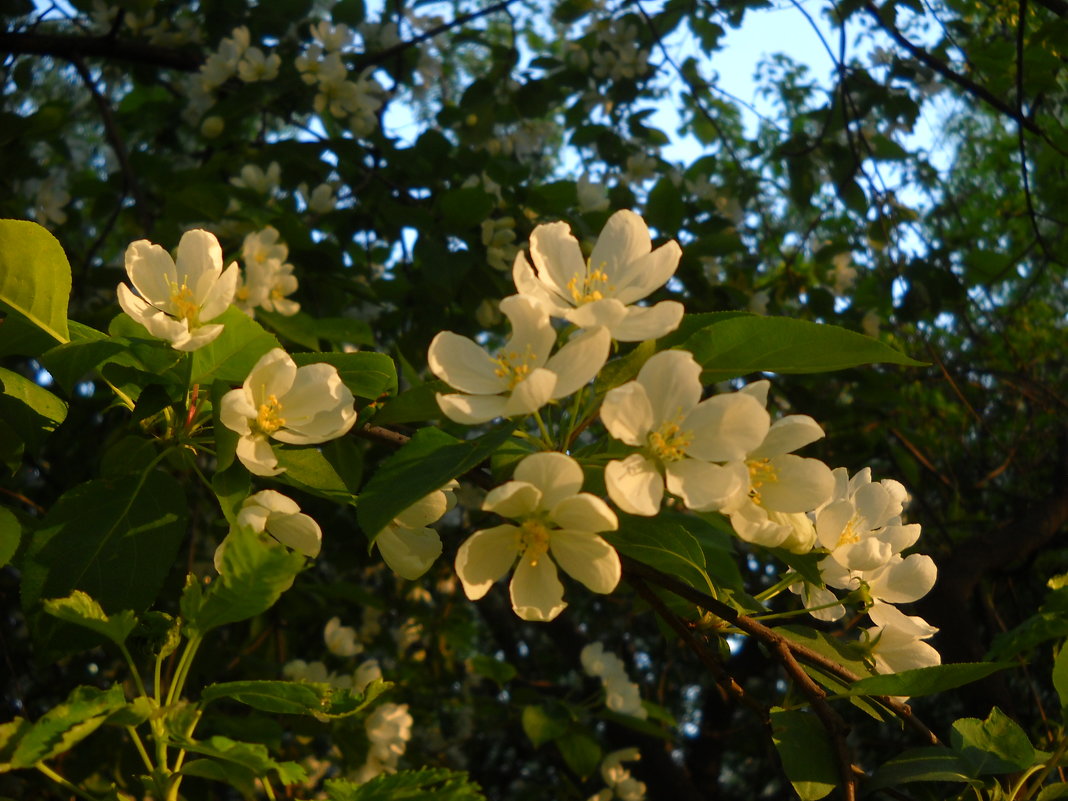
<point x="674" y="445"/>
<point x="621" y="785"/>
<point x="621" y="694"/>
<point x="344" y="97"/>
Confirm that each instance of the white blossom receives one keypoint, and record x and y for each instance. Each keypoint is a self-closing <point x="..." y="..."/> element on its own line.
<point x="279" y="516"/>
<point x="299" y="406"/>
<point x="555" y="522"/>
<point x="521" y="377"/>
<point x="176" y="299"/>
<point x="341" y="640"/>
<point x="603" y="291"/>
<point x="407" y="544"/>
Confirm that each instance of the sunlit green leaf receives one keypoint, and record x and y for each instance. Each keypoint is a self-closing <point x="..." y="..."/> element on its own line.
<point x="35" y="277"/>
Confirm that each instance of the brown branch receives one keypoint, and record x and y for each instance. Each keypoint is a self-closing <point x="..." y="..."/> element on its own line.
<point x="708" y="659"/>
<point x="382" y="434"/>
<point x="768" y="636"/>
<point x="70" y="47"/>
<point x="965" y="83"/>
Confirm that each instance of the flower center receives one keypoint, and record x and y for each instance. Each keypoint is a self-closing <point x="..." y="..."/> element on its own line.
<point x="592" y="284"/>
<point x="184" y="304"/>
<point x="268" y="419"/>
<point x="849" y="534"/>
<point x="669" y="442"/>
<point x="533" y="540"/>
<point x="514" y="366"/>
<point x="761" y="472"/>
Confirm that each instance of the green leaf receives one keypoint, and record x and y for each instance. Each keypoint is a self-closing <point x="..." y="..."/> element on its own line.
<point x="665" y="545"/>
<point x="426" y="463"/>
<point x="331" y="470"/>
<point x="299" y="328"/>
<point x="496" y="670"/>
<point x="10" y="535"/>
<point x="692" y="323"/>
<point x="846" y="654"/>
<point x="226" y="772"/>
<point x="296" y="698"/>
<point x="413" y="405"/>
<point x="232" y="355"/>
<point x="429" y="784"/>
<point x="29" y="408"/>
<point x="70" y="363"/>
<point x="232" y="486"/>
<point x="925" y="681"/>
<point x="252" y="756"/>
<point x="1060" y="678"/>
<point x="664" y="209"/>
<point x="114" y="539"/>
<point x="744" y="345"/>
<point x="920" y="765"/>
<point x="580" y="751"/>
<point x="994" y="745"/>
<point x="1053" y="792"/>
<point x="63" y="726"/>
<point x="806" y="752"/>
<point x="80" y="609"/>
<point x="544" y="723"/>
<point x="11" y="734"/>
<point x="619" y="371"/>
<point x="367" y="374"/>
<point x="254" y="575"/>
<point x="34" y="277"/>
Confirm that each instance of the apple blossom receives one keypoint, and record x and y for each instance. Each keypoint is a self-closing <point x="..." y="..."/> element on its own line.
<point x="679" y="437"/>
<point x="555" y="519"/>
<point x="521" y="377"/>
<point x="407" y="545"/>
<point x="341" y="640"/>
<point x="897" y="641"/>
<point x="278" y="400"/>
<point x="601" y="291"/>
<point x="279" y="516"/>
<point x="176" y="298"/>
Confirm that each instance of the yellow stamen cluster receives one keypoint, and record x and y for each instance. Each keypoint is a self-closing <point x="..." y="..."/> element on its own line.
<point x="534" y="540"/>
<point x="669" y="442"/>
<point x="267" y="419"/>
<point x="592" y="284"/>
<point x="761" y="472"/>
<point x="849" y="534"/>
<point x="514" y="366"/>
<point x="184" y="304"/>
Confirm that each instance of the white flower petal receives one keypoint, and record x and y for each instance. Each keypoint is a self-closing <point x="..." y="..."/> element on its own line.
<point x="471" y="409"/>
<point x="152" y="272"/>
<point x="486" y="556"/>
<point x="800" y="484"/>
<point x="197" y="338"/>
<point x="635" y="485"/>
<point x="221" y="294"/>
<point x="532" y="333"/>
<point x="584" y="512"/>
<point x="256" y="455"/>
<point x="536" y="591"/>
<point x="531" y="393"/>
<point x="787" y="435"/>
<point x="607" y="312"/>
<point x="900" y="537"/>
<point x="623" y="240"/>
<point x="556" y="475"/>
<point x="703" y="487"/>
<point x="759" y="390"/>
<point x="557" y="257"/>
<point x="579" y="361"/>
<point x="643" y="323"/>
<point x="831" y="522"/>
<point x="627" y="413"/>
<point x="672" y="381"/>
<point x="726" y="427"/>
<point x="199" y="253"/>
<point x="461" y="363"/>
<point x="296" y="531"/>
<point x="905" y="580"/>
<point x="588" y="558"/>
<point x="515" y="499"/>
<point x="409" y="552"/>
<point x="527" y="283"/>
<point x="273" y="374"/>
<point x="648" y="273"/>
<point x="425" y="511"/>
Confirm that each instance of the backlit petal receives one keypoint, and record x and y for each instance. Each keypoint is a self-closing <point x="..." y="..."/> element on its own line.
<point x="584" y="512"/>
<point x="531" y="393"/>
<point x="536" y="591"/>
<point x="577" y="362"/>
<point x="703" y="487"/>
<point x="471" y="409"/>
<point x="648" y="273"/>
<point x="556" y="475"/>
<point x="635" y="485"/>
<point x="588" y="558"/>
<point x="486" y="556"/>
<point x="726" y="427"/>
<point x="556" y="256"/>
<point x="653" y="322"/>
<point x="800" y="485"/>
<point x="787" y="435"/>
<point x="409" y="552"/>
<point x="515" y="499"/>
<point x="627" y="413"/>
<point x="461" y="363"/>
<point x="672" y="381"/>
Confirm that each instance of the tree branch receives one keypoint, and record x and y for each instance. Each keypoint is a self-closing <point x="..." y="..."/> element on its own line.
<point x="78" y="47"/>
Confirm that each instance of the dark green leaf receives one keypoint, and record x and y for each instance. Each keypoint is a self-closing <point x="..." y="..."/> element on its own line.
<point x="919" y="765"/>
<point x="114" y="539"/>
<point x="545" y="723"/>
<point x="330" y="470"/>
<point x="430" y="784"/>
<point x="416" y="404"/>
<point x="230" y="773"/>
<point x="296" y="698"/>
<point x="994" y="745"/>
<point x="426" y="463"/>
<point x="806" y="752"/>
<point x="580" y="751"/>
<point x="367" y="374"/>
<point x="252" y="756"/>
<point x="231" y="355"/>
<point x="32" y="410"/>
<point x="494" y="669"/>
<point x="744" y="345"/>
<point x="10" y="535"/>
<point x="665" y="545"/>
<point x="925" y="681"/>
<point x="1060" y="677"/>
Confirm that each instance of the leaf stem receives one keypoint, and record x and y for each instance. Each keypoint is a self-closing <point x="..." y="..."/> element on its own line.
<point x="66" y="785"/>
<point x="139" y="743"/>
<point x="782" y="584"/>
<point x="545" y="435"/>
